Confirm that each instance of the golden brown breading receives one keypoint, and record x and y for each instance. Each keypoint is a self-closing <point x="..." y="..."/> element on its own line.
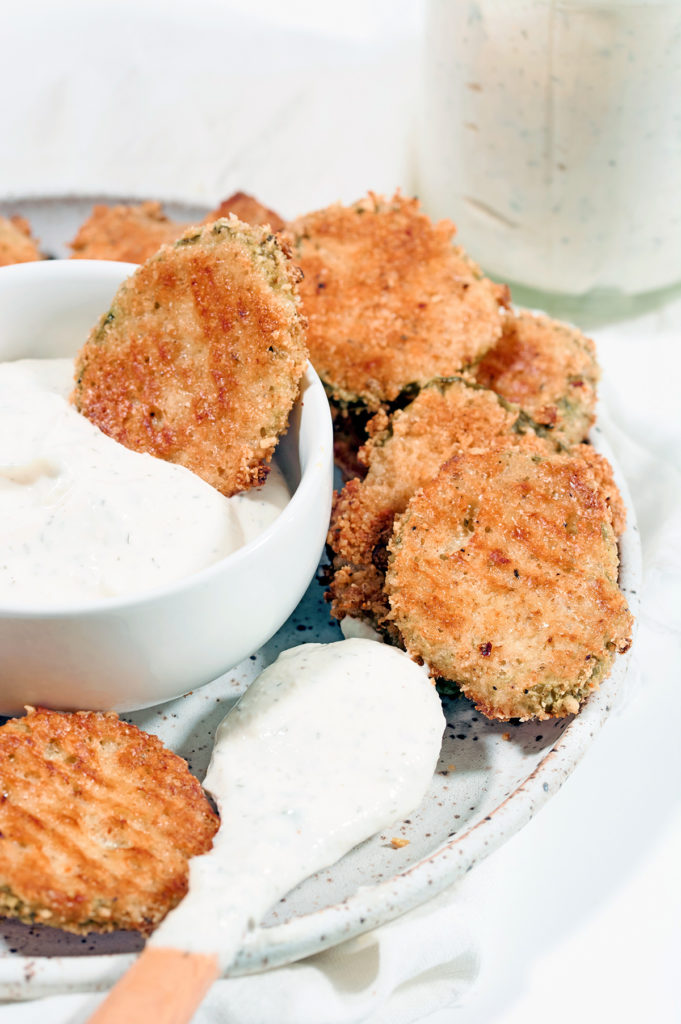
<point x="16" y="243"/>
<point x="503" y="578"/>
<point x="246" y="208"/>
<point x="547" y="368"/>
<point x="129" y="234"/>
<point x="389" y="300"/>
<point x="200" y="358"/>
<point x="602" y="471"/>
<point x="97" y="823"/>
<point x="446" y="417"/>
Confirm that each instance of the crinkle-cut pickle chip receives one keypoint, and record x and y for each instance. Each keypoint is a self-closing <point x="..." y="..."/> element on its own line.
<point x="503" y="579"/>
<point x="390" y="301"/>
<point x="200" y="357"/>
<point x="97" y="823"/>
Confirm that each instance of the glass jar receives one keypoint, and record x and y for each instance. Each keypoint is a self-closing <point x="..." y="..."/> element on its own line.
<point x="551" y="135"/>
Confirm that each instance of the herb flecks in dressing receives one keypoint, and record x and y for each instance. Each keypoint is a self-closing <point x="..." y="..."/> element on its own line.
<point x="331" y="744"/>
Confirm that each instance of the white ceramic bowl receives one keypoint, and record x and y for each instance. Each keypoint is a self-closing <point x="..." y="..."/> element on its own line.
<point x="131" y="653"/>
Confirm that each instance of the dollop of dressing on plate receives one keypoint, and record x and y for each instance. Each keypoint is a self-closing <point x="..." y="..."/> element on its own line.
<point x="330" y="744"/>
<point x="82" y="517"/>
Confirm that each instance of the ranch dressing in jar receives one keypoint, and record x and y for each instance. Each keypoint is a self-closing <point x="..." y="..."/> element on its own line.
<point x="551" y="135"/>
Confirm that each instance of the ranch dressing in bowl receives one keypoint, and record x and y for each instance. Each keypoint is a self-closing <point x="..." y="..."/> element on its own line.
<point x="84" y="518"/>
<point x="551" y="135"/>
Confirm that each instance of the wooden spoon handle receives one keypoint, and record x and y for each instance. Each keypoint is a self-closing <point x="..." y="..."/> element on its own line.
<point x="165" y="986"/>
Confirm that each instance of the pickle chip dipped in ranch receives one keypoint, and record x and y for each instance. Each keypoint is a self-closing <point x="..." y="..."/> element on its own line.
<point x="200" y="358"/>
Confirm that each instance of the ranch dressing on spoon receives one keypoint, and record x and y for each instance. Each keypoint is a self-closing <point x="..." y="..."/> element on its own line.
<point x="330" y="744"/>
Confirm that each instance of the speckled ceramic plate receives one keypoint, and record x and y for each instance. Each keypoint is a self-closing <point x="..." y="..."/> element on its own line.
<point x="491" y="778"/>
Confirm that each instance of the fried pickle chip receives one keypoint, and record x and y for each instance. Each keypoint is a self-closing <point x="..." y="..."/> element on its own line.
<point x="446" y="417"/>
<point x="200" y="358"/>
<point x="16" y="243"/>
<point x="503" y="579"/>
<point x="129" y="234"/>
<point x="246" y="208"/>
<point x="390" y="301"/>
<point x="602" y="471"/>
<point x="133" y="233"/>
<point x="547" y="368"/>
<point x="97" y="823"/>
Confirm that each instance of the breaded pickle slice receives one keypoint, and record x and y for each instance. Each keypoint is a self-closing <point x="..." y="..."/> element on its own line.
<point x="247" y="208"/>
<point x="602" y="471"/>
<point x="446" y="417"/>
<point x="129" y="234"/>
<point x="200" y="358"/>
<point x="16" y="242"/>
<point x="132" y="233"/>
<point x="390" y="301"/>
<point x="547" y="368"/>
<point x="97" y="823"/>
<point x="503" y="579"/>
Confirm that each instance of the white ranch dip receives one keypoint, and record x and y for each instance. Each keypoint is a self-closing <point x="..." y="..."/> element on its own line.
<point x="551" y="135"/>
<point x="331" y="744"/>
<point x="83" y="518"/>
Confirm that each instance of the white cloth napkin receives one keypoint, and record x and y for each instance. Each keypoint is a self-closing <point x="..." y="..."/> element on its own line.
<point x="387" y="976"/>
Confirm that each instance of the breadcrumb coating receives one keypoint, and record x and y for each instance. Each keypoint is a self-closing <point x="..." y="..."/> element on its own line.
<point x="390" y="301"/>
<point x="403" y="454"/>
<point x="547" y="368"/>
<point x="97" y="823"/>
<point x="200" y="358"/>
<point x="248" y="209"/>
<point x="16" y="242"/>
<point x="503" y="578"/>
<point x="133" y="233"/>
<point x="602" y="471"/>
<point x="128" y="234"/>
